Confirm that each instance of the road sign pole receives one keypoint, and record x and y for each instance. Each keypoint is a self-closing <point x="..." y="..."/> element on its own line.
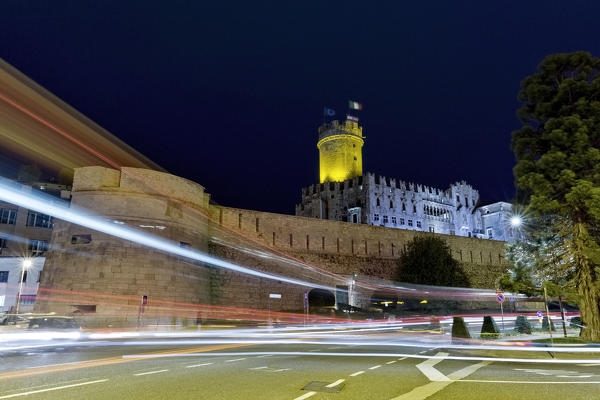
<point x="548" y="316"/>
<point x="502" y="311"/>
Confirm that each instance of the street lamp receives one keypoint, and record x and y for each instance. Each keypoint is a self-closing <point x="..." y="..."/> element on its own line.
<point x="25" y="264"/>
<point x="516" y="221"/>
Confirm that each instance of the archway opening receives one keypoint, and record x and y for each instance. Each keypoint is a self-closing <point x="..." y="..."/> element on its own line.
<point x="320" y="298"/>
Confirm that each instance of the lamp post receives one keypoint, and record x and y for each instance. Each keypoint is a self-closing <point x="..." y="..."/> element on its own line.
<point x="25" y="264"/>
<point x="516" y="221"/>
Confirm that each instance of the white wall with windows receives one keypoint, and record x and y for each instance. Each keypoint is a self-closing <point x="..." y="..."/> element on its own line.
<point x="10" y="278"/>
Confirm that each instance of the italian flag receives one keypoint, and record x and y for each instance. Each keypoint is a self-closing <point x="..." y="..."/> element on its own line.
<point x="354" y="105"/>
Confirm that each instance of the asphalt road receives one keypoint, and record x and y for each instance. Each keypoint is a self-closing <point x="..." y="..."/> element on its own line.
<point x="106" y="370"/>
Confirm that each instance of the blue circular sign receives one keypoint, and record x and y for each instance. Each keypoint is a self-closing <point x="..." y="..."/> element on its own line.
<point x="500" y="298"/>
<point x="539" y="314"/>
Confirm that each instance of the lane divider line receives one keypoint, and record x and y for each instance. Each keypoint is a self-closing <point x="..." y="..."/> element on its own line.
<point x="357" y="373"/>
<point x="391" y="362"/>
<point x="236" y="359"/>
<point x="51" y="389"/>
<point x="151" y="372"/>
<point x="375" y="367"/>
<point x="335" y="383"/>
<point x="198" y="365"/>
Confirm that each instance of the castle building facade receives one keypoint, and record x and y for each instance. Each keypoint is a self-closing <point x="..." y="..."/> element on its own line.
<point x="345" y="194"/>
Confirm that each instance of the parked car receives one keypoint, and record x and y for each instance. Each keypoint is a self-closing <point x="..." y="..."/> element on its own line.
<point x="52" y="323"/>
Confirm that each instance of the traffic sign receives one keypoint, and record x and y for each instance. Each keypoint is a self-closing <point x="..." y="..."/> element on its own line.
<point x="500" y="298"/>
<point x="498" y="291"/>
<point x="540" y="314"/>
<point x="511" y="299"/>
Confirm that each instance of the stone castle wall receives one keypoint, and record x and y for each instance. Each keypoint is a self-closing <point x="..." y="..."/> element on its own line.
<point x="113" y="274"/>
<point x="347" y="249"/>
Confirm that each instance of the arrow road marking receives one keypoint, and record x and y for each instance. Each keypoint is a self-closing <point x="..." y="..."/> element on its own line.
<point x="438" y="380"/>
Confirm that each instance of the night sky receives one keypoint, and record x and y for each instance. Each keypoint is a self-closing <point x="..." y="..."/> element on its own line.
<point x="230" y="94"/>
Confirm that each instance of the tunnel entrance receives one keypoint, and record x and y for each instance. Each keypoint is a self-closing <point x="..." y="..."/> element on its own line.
<point x="319" y="298"/>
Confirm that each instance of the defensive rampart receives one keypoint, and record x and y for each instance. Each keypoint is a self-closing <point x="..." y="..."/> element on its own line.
<point x="91" y="272"/>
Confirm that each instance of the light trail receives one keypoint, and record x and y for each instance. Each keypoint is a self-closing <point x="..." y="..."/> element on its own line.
<point x="394" y="355"/>
<point x="10" y="193"/>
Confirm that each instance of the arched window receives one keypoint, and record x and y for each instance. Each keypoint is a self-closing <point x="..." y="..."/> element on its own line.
<point x="403" y="206"/>
<point x="414" y="209"/>
<point x="378" y="202"/>
<point x="391" y="204"/>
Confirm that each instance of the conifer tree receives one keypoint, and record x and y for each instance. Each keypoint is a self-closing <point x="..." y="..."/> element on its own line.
<point x="558" y="168"/>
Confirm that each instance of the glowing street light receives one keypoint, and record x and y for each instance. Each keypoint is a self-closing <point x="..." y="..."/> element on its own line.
<point x="25" y="264"/>
<point x="516" y="221"/>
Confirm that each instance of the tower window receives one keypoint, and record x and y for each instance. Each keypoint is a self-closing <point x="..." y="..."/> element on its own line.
<point x="394" y="220"/>
<point x="375" y="217"/>
<point x="401" y="221"/>
<point x="414" y="209"/>
<point x="403" y="206"/>
<point x="410" y="223"/>
<point x="385" y="219"/>
<point x="391" y="204"/>
<point x="378" y="203"/>
<point x="354" y="158"/>
<point x="418" y="224"/>
<point x="353" y="145"/>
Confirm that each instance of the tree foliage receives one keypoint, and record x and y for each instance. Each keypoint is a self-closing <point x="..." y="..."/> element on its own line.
<point x="428" y="260"/>
<point x="558" y="172"/>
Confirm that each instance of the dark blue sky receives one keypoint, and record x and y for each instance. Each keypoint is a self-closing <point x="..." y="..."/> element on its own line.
<point x="230" y="94"/>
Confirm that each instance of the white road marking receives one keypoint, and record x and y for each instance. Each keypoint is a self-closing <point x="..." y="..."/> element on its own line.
<point x="335" y="383"/>
<point x="198" y="365"/>
<point x="438" y="380"/>
<point x="314" y="350"/>
<point x="402" y="358"/>
<point x="589" y="365"/>
<point x="528" y="382"/>
<point x="391" y="362"/>
<point x="305" y="396"/>
<point x="375" y="367"/>
<point x="264" y="355"/>
<point x="258" y="368"/>
<point x="357" y="373"/>
<point x="431" y="373"/>
<point x="51" y="389"/>
<point x="281" y="370"/>
<point x="41" y="386"/>
<point x="236" y="359"/>
<point x="574" y="376"/>
<point x="151" y="372"/>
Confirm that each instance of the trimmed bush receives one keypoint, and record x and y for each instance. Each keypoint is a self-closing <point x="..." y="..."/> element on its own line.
<point x="522" y="325"/>
<point x="459" y="329"/>
<point x="489" y="329"/>
<point x="545" y="324"/>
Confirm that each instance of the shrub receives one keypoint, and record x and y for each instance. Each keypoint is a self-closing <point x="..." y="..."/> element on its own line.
<point x="459" y="329"/>
<point x="489" y="329"/>
<point x="522" y="325"/>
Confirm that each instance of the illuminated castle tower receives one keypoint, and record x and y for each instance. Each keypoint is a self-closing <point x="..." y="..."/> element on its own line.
<point x="340" y="151"/>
